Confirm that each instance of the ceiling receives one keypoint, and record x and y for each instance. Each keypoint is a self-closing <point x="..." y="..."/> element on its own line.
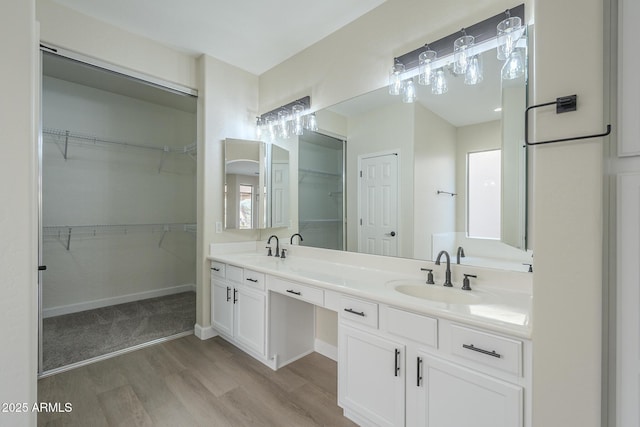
<point x="254" y="35"/>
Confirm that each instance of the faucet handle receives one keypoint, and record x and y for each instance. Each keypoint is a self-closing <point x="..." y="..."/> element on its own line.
<point x="465" y="282"/>
<point x="283" y="254"/>
<point x="269" y="253"/>
<point x="429" y="275"/>
<point x="530" y="267"/>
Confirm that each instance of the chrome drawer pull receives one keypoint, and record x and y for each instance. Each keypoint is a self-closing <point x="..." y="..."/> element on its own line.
<point x="359" y="313"/>
<point x="252" y="280"/>
<point x="216" y="269"/>
<point x="483" y="351"/>
<point x="291" y="291"/>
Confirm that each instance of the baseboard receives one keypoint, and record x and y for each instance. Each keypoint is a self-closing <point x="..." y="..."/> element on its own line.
<point x="325" y="349"/>
<point x="121" y="299"/>
<point x="204" y="332"/>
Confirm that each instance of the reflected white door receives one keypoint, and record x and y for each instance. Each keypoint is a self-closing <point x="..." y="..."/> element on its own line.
<point x="378" y="205"/>
<point x="280" y="195"/>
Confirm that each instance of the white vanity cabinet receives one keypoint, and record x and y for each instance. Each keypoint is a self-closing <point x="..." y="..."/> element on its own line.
<point x="371" y="377"/>
<point x="416" y="370"/>
<point x="239" y="306"/>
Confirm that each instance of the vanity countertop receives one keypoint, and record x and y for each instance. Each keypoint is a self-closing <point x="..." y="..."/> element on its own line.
<point x="500" y="308"/>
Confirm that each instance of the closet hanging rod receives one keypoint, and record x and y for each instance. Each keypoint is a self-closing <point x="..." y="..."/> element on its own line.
<point x="187" y="149"/>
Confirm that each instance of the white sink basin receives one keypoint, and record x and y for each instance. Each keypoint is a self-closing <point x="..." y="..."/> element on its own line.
<point x="436" y="293"/>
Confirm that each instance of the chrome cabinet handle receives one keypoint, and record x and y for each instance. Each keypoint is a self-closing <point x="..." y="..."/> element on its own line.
<point x="418" y="371"/>
<point x="252" y="280"/>
<point x="215" y="269"/>
<point x="481" y="350"/>
<point x="359" y="313"/>
<point x="235" y="295"/>
<point x="291" y="291"/>
<point x="228" y="296"/>
<point x="397" y="363"/>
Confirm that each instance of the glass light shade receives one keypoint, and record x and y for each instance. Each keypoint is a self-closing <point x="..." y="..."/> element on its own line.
<point x="424" y="67"/>
<point x="312" y="122"/>
<point x="409" y="94"/>
<point x="272" y="124"/>
<point x="474" y="73"/>
<point x="296" y="117"/>
<point x="283" y="124"/>
<point x="516" y="65"/>
<point x="461" y="53"/>
<point x="258" y="128"/>
<point x="439" y="85"/>
<point x="396" y="85"/>
<point x="509" y="32"/>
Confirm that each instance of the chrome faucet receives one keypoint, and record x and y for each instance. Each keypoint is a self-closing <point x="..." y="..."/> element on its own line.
<point x="447" y="274"/>
<point x="294" y="235"/>
<point x="277" y="254"/>
<point x="460" y="254"/>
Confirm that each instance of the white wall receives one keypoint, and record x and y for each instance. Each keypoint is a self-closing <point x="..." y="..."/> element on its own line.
<point x="111" y="185"/>
<point x="18" y="211"/>
<point x="434" y="169"/>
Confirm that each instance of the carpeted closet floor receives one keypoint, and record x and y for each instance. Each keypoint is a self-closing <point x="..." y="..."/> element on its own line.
<point x="80" y="336"/>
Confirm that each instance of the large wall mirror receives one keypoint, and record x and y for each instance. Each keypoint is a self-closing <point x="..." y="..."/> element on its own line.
<point x="257" y="185"/>
<point x="445" y="172"/>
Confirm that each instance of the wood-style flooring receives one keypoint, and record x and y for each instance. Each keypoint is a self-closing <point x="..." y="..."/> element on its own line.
<point x="189" y="382"/>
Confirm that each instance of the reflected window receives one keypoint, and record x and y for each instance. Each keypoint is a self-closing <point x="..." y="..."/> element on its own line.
<point x="483" y="194"/>
<point x="246" y="206"/>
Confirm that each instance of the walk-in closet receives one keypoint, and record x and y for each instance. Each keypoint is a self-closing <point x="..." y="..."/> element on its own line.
<point x="321" y="190"/>
<point x="117" y="211"/>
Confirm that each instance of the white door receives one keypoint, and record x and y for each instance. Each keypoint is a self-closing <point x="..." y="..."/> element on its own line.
<point x="628" y="318"/>
<point x="451" y="395"/>
<point x="378" y="205"/>
<point x="280" y="195"/>
<point x="250" y="319"/>
<point x="222" y="306"/>
<point x="371" y="377"/>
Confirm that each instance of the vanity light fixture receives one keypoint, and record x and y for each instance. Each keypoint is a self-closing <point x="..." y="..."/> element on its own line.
<point x="286" y="121"/>
<point x="461" y="54"/>
<point x="396" y="82"/>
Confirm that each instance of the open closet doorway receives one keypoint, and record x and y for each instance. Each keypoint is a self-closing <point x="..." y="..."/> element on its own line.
<point x="117" y="211"/>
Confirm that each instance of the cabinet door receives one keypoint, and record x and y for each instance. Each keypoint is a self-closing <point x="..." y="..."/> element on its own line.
<point x="371" y="377"/>
<point x="250" y="319"/>
<point x="222" y="306"/>
<point x="450" y="395"/>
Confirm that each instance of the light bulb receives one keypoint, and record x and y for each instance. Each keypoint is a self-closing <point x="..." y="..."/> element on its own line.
<point x="409" y="94"/>
<point x="461" y="53"/>
<point x="509" y="32"/>
<point x="424" y="66"/>
<point x="396" y="85"/>
<point x="515" y="67"/>
<point x="439" y="85"/>
<point x="474" y="74"/>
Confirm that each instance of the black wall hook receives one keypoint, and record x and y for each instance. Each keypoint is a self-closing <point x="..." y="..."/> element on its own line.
<point x="564" y="104"/>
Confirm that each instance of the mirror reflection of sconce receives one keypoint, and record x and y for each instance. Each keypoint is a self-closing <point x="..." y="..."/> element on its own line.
<point x="460" y="54"/>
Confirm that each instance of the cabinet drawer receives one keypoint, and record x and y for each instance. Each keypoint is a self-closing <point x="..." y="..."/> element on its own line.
<point x="218" y="269"/>
<point x="234" y="273"/>
<point x="360" y="311"/>
<point x="296" y="290"/>
<point x="254" y="279"/>
<point x="492" y="350"/>
<point x="416" y="327"/>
